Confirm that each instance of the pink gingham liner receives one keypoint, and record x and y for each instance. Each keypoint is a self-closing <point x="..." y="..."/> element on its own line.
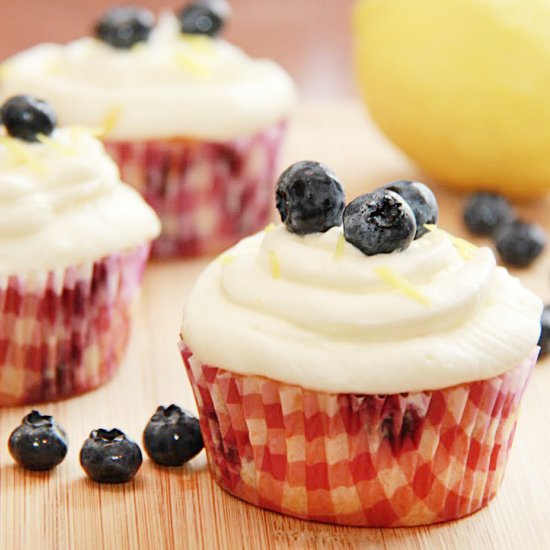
<point x="208" y="195"/>
<point x="364" y="460"/>
<point x="64" y="332"/>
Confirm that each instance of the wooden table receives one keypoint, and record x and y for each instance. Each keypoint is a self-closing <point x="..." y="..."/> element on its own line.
<point x="182" y="508"/>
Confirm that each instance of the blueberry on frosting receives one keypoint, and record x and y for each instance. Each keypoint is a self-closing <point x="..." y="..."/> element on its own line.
<point x="421" y="200"/>
<point x="379" y="223"/>
<point x="309" y="198"/>
<point x="204" y="17"/>
<point x="25" y="117"/>
<point x="125" y="26"/>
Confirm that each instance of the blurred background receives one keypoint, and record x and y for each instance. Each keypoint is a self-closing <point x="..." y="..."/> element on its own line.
<point x="310" y="38"/>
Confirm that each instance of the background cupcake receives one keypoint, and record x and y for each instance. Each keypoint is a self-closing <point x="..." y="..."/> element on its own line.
<point x="74" y="241"/>
<point x="368" y="373"/>
<point x="194" y="124"/>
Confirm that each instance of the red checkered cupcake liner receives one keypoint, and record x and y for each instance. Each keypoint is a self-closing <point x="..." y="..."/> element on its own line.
<point x="365" y="460"/>
<point x="63" y="332"/>
<point x="208" y="195"/>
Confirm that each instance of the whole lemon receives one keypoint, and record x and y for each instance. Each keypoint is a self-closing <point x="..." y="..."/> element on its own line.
<point x="462" y="86"/>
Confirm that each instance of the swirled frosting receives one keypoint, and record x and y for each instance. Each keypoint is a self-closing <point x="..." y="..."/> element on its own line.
<point x="62" y="204"/>
<point x="173" y="85"/>
<point x="314" y="311"/>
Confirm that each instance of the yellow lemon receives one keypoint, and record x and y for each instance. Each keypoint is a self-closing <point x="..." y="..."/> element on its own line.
<point x="462" y="86"/>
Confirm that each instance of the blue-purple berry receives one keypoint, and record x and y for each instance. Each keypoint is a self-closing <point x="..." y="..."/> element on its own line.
<point x="421" y="200"/>
<point x="485" y="212"/>
<point x="205" y="17"/>
<point x="39" y="443"/>
<point x="379" y="223"/>
<point x="544" y="339"/>
<point x="172" y="436"/>
<point x="519" y="243"/>
<point x="109" y="456"/>
<point x="309" y="198"/>
<point x="125" y="26"/>
<point x="25" y="117"/>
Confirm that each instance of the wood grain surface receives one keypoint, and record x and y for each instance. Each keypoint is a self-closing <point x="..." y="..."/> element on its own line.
<point x="181" y="507"/>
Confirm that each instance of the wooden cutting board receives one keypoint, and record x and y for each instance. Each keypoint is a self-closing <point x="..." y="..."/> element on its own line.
<point x="182" y="508"/>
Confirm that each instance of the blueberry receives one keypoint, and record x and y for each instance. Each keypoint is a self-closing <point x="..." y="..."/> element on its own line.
<point x="203" y="17"/>
<point x="172" y="436"/>
<point x="39" y="443"/>
<point x="544" y="339"/>
<point x="309" y="198"/>
<point x="485" y="212"/>
<point x="125" y="26"/>
<point x="519" y="242"/>
<point x="421" y="200"/>
<point x="379" y="223"/>
<point x="25" y="117"/>
<point x="109" y="456"/>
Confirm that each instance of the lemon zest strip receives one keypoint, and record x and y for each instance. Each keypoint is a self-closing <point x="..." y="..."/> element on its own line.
<point x="340" y="247"/>
<point x="190" y="64"/>
<point x="274" y="264"/>
<point x="465" y="248"/>
<point x="63" y="148"/>
<point x="226" y="259"/>
<point x="22" y="155"/>
<point x="393" y="279"/>
<point x="110" y="120"/>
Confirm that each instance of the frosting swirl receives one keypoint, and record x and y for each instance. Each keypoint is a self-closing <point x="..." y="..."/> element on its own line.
<point x="62" y="204"/>
<point x="314" y="311"/>
<point x="172" y="85"/>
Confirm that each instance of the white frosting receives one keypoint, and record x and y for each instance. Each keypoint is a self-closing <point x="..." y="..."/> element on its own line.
<point x="62" y="204"/>
<point x="173" y="85"/>
<point x="314" y="311"/>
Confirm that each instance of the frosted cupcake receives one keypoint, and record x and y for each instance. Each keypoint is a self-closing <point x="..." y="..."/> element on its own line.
<point x="362" y="368"/>
<point x="73" y="245"/>
<point x="194" y="124"/>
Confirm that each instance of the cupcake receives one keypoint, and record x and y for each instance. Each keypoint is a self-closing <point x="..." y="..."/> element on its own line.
<point x="359" y="366"/>
<point x="74" y="242"/>
<point x="194" y="124"/>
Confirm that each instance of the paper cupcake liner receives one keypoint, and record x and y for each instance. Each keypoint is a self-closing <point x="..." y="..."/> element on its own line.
<point x="207" y="195"/>
<point x="365" y="460"/>
<point x="63" y="332"/>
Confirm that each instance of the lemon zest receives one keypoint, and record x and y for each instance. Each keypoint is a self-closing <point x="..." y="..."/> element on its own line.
<point x="340" y="247"/>
<point x="201" y="44"/>
<point x="465" y="248"/>
<point x="21" y="155"/>
<point x="431" y="227"/>
<point x="77" y="131"/>
<point x="63" y="148"/>
<point x="191" y="64"/>
<point x="269" y="228"/>
<point x="5" y="70"/>
<point x="393" y="279"/>
<point x="274" y="264"/>
<point x="226" y="259"/>
<point x="110" y="120"/>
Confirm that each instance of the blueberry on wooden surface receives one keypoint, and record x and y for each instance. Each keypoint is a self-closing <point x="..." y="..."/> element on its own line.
<point x="172" y="436"/>
<point x="109" y="456"/>
<point x="39" y="443"/>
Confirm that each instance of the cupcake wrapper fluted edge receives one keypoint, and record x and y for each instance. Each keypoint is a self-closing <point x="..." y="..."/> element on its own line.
<point x="364" y="460"/>
<point x="208" y="195"/>
<point x="64" y="332"/>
